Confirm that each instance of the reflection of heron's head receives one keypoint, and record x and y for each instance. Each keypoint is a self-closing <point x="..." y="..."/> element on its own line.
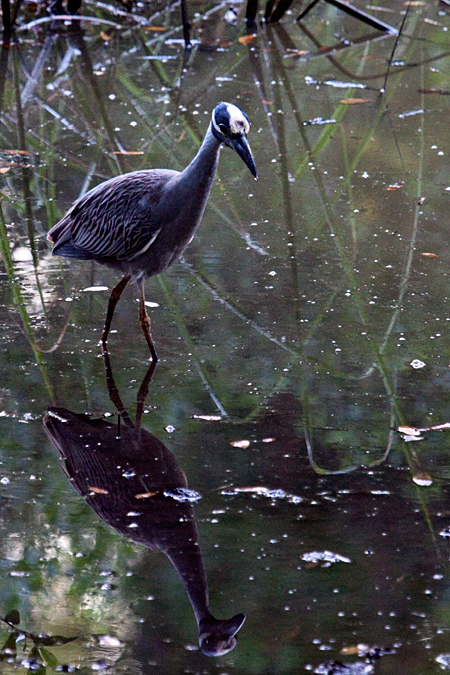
<point x="217" y="637"/>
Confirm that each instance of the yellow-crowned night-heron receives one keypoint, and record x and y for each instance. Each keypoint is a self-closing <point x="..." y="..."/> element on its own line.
<point x="140" y="223"/>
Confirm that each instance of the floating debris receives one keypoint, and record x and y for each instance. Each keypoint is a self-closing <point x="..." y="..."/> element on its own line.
<point x="423" y="479"/>
<point x="408" y="431"/>
<point x="240" y="444"/>
<point x="355" y="101"/>
<point x="94" y="289"/>
<point x="319" y="120"/>
<point x="208" y="418"/>
<point x="338" y="668"/>
<point x="335" y="83"/>
<point x="444" y="660"/>
<point x="371" y="653"/>
<point x="264" y="492"/>
<point x="247" y="39"/>
<point x="411" y="113"/>
<point x="183" y="495"/>
<point x="416" y="433"/>
<point x="417" y="364"/>
<point x="328" y="558"/>
<point x="98" y="491"/>
<point x="162" y="57"/>
<point x="109" y="641"/>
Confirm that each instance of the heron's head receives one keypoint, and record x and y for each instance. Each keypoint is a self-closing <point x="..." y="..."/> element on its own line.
<point x="230" y="125"/>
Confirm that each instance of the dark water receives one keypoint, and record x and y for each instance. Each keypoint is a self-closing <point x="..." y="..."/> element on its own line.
<point x="308" y="321"/>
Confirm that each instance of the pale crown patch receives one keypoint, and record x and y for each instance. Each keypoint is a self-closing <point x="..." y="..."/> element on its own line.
<point x="238" y="123"/>
<point x="232" y="118"/>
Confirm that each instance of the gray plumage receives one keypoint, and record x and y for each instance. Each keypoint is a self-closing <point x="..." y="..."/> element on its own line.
<point x="141" y="222"/>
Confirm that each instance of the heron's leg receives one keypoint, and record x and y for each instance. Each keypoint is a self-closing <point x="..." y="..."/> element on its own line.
<point x="113" y="300"/>
<point x="112" y="388"/>
<point x="145" y="322"/>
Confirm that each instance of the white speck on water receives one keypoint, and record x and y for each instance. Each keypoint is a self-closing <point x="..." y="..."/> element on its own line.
<point x="109" y="641"/>
<point x="411" y="113"/>
<point x="170" y="429"/>
<point x="417" y="364"/>
<point x="94" y="289"/>
<point x="21" y="254"/>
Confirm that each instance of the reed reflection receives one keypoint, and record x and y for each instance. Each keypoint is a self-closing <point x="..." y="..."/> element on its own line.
<point x="133" y="482"/>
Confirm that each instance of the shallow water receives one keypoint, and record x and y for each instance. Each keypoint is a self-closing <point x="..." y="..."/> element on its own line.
<point x="307" y="322"/>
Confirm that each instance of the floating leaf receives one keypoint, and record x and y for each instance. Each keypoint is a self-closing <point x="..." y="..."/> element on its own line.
<point x="49" y="658"/>
<point x="240" y="444"/>
<point x="355" y="101"/>
<point x="4" y="169"/>
<point x="443" y="92"/>
<point x="127" y="152"/>
<point x="413" y="431"/>
<point x="98" y="491"/>
<point x="395" y="186"/>
<point x="13" y="617"/>
<point x="354" y="649"/>
<point x="409" y="431"/>
<point x="17" y="152"/>
<point x="247" y="39"/>
<point x="105" y="36"/>
<point x="296" y="52"/>
<point x="430" y="255"/>
<point x="155" y="28"/>
<point x="144" y="495"/>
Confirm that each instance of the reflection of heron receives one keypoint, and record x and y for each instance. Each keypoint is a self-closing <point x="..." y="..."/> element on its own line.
<point x="140" y="223"/>
<point x="133" y="482"/>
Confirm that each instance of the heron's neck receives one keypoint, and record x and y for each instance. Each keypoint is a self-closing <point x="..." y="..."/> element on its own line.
<point x="202" y="169"/>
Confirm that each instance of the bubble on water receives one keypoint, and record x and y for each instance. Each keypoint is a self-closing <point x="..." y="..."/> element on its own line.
<point x="416" y="363"/>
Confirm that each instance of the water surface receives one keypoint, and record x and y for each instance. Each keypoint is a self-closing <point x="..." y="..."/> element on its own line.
<point x="307" y="322"/>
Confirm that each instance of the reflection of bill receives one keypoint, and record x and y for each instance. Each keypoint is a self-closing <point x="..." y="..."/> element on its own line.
<point x="133" y="482"/>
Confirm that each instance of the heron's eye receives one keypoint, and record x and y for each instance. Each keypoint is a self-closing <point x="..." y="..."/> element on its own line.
<point x="224" y="129"/>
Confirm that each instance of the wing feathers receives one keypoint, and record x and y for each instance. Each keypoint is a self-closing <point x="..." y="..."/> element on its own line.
<point x="117" y="219"/>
